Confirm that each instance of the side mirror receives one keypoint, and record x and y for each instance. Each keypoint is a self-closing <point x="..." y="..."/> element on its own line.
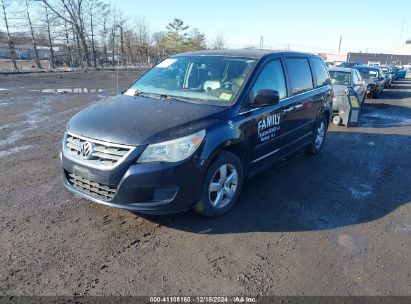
<point x="267" y="98"/>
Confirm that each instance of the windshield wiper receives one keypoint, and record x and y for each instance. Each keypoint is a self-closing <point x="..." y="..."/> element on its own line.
<point x="152" y="95"/>
<point x="161" y="96"/>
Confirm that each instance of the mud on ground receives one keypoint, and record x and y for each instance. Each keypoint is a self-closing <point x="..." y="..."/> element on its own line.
<point x="335" y="224"/>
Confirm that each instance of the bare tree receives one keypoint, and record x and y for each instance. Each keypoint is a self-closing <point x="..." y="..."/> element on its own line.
<point x="104" y="32"/>
<point x="36" y="53"/>
<point x="143" y="38"/>
<point x="75" y="11"/>
<point x="219" y="42"/>
<point x="12" y="49"/>
<point x="69" y="49"/>
<point x="50" y="41"/>
<point x="94" y="9"/>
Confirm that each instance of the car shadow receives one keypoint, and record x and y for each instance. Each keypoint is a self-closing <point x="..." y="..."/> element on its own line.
<point x="357" y="178"/>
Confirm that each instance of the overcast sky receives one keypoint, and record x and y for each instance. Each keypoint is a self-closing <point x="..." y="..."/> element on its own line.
<point x="310" y="25"/>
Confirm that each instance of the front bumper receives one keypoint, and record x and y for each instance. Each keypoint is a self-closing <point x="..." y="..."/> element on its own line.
<point x="152" y="188"/>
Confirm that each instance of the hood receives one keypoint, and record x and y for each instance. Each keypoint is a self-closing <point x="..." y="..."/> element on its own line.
<point x="135" y="120"/>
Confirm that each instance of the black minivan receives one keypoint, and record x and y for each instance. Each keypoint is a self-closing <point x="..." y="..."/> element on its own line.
<point x="190" y="130"/>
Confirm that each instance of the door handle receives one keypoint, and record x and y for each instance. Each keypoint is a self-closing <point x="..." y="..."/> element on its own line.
<point x="288" y="110"/>
<point x="299" y="106"/>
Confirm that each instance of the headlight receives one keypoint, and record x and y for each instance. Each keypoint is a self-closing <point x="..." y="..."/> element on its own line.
<point x="174" y="150"/>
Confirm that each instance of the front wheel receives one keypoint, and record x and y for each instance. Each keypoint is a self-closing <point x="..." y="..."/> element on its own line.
<point x="221" y="187"/>
<point x="320" y="132"/>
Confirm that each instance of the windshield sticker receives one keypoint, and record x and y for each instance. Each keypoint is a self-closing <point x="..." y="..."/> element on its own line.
<point x="166" y="63"/>
<point x="130" y="92"/>
<point x="225" y="96"/>
<point x="268" y="126"/>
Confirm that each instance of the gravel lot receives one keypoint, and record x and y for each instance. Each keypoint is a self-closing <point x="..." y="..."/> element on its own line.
<point x="334" y="224"/>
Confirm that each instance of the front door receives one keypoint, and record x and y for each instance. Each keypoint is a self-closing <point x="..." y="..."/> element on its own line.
<point x="270" y="124"/>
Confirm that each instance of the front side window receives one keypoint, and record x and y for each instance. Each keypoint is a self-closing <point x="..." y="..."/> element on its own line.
<point x="300" y="75"/>
<point x="201" y="79"/>
<point x="321" y="72"/>
<point x="340" y="78"/>
<point x="271" y="78"/>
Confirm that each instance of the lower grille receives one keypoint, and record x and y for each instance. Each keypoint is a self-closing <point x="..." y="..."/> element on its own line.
<point x="92" y="188"/>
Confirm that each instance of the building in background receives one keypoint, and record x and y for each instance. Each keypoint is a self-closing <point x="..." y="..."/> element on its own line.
<point x="404" y="49"/>
<point x="378" y="59"/>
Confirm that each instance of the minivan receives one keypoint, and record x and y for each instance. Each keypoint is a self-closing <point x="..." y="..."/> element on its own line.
<point x="189" y="131"/>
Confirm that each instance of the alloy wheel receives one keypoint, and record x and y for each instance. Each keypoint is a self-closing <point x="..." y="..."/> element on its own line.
<point x="223" y="186"/>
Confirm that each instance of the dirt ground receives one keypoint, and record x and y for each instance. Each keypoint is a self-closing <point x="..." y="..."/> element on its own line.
<point x="334" y="224"/>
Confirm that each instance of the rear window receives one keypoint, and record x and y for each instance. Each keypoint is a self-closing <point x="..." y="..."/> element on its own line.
<point x="321" y="73"/>
<point x="300" y="75"/>
<point x="340" y="78"/>
<point x="368" y="73"/>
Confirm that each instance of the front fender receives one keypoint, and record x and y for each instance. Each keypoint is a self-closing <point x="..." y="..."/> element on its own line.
<point x="225" y="136"/>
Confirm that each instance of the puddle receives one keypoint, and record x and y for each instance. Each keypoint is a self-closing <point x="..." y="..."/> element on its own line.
<point x="69" y="91"/>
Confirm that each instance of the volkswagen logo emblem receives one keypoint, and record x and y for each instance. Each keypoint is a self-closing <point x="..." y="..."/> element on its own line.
<point x="86" y="150"/>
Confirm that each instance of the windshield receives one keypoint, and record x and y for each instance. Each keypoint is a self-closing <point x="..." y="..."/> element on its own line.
<point x="340" y="78"/>
<point x="385" y="70"/>
<point x="368" y="74"/>
<point x="202" y="79"/>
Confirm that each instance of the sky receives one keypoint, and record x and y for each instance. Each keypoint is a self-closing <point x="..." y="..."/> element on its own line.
<point x="376" y="26"/>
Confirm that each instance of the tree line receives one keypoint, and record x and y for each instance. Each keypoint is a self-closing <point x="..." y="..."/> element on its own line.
<point x="92" y="34"/>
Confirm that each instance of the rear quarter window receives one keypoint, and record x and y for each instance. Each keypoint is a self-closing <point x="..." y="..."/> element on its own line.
<point x="300" y="75"/>
<point x="321" y="73"/>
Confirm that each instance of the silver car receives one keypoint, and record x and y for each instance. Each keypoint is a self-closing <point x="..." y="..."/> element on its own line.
<point x="342" y="78"/>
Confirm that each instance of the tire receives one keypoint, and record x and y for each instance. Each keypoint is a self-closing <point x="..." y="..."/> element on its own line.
<point x="337" y="121"/>
<point x="318" y="141"/>
<point x="209" y="204"/>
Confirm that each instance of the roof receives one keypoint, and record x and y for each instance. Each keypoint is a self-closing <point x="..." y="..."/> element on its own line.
<point x="245" y="53"/>
<point x="366" y="67"/>
<point x="347" y="70"/>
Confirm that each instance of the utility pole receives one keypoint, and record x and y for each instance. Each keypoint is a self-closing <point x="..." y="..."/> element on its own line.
<point x="261" y="42"/>
<point x="339" y="45"/>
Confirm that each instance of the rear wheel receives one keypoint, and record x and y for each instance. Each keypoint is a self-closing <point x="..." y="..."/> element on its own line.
<point x="222" y="186"/>
<point x="320" y="132"/>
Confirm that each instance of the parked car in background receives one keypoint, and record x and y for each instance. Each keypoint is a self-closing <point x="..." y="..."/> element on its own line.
<point x="374" y="80"/>
<point x="341" y="79"/>
<point x="387" y="73"/>
<point x="348" y="64"/>
<point x="400" y="73"/>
